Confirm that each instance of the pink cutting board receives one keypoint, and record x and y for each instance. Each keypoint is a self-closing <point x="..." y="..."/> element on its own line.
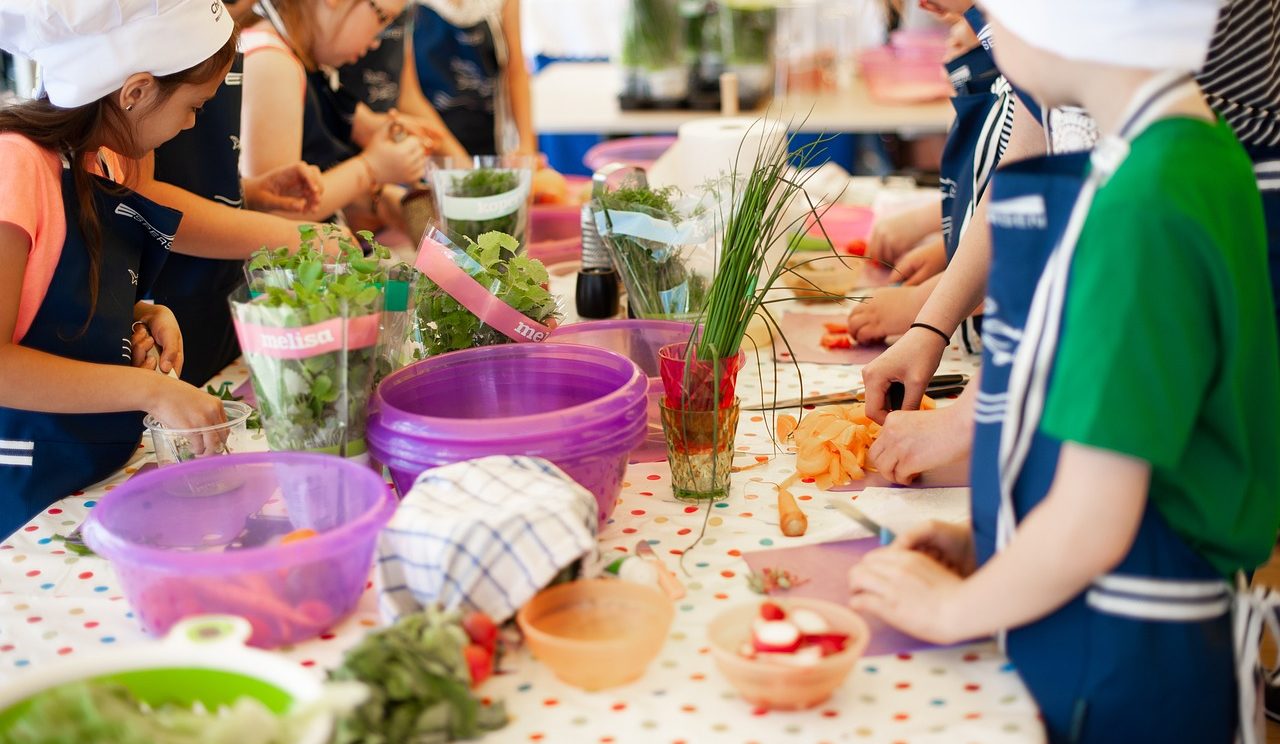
<point x="955" y="475"/>
<point x="826" y="566"/>
<point x="245" y="393"/>
<point x="804" y="332"/>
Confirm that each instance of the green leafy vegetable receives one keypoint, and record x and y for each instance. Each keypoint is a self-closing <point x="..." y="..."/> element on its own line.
<point x="223" y="392"/>
<point x="484" y="182"/>
<point x="653" y="35"/>
<point x="420" y="685"/>
<point x="444" y="325"/>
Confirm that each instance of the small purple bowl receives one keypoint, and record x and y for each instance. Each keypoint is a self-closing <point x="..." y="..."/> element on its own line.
<point x="639" y="341"/>
<point x="232" y="535"/>
<point x="579" y="407"/>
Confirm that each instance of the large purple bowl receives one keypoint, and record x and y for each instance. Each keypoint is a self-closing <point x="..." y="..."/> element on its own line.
<point x="579" y="407"/>
<point x="208" y="536"/>
<point x="639" y="341"/>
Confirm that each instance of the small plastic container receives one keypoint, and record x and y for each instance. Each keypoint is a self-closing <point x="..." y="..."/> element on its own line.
<point x="770" y="684"/>
<point x="203" y="660"/>
<point x="181" y="445"/>
<point x="581" y="408"/>
<point x="641" y="152"/>
<point x="555" y="233"/>
<point x="597" y="633"/>
<point x="896" y="75"/>
<point x="284" y="540"/>
<point x="639" y="341"/>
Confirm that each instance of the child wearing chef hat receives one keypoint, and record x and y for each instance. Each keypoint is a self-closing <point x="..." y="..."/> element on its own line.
<point x="78" y="249"/>
<point x="1124" y="466"/>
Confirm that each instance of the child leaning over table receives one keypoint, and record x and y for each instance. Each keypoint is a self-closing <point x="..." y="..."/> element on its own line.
<point x="78" y="249"/>
<point x="1125" y="460"/>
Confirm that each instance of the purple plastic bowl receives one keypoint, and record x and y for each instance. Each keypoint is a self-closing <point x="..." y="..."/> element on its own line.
<point x="639" y="341"/>
<point x="205" y="537"/>
<point x="579" y="407"/>
<point x="641" y="152"/>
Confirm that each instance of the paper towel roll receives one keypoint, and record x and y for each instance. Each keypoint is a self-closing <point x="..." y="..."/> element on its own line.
<point x="705" y="148"/>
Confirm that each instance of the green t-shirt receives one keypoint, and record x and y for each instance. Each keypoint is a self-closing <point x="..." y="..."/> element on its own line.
<point x="1168" y="352"/>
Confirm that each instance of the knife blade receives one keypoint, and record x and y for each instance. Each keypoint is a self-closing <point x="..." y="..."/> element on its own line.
<point x="667" y="580"/>
<point x="940" y="385"/>
<point x="849" y="510"/>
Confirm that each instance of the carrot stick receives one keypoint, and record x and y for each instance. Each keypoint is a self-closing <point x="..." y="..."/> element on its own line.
<point x="790" y="518"/>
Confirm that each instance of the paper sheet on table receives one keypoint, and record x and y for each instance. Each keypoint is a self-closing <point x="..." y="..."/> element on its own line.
<point x="955" y="475"/>
<point x="826" y="565"/>
<point x="804" y="332"/>
<point x="245" y="393"/>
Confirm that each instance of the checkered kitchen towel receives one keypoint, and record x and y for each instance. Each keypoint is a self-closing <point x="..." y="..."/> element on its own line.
<point x="483" y="534"/>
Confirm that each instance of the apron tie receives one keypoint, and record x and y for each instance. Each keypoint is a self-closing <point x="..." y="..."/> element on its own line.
<point x="1255" y="610"/>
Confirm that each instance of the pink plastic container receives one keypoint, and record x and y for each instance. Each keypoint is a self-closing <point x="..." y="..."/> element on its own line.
<point x="846" y="225"/>
<point x="579" y="407"/>
<point x="555" y="233"/>
<point x="208" y="536"/>
<point x="926" y="42"/>
<point x="639" y="341"/>
<point x="641" y="152"/>
<point x="895" y="75"/>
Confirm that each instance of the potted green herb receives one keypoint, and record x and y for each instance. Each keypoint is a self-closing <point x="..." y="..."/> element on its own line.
<point x="485" y="193"/>
<point x="746" y="38"/>
<point x="489" y="266"/>
<point x="662" y="244"/>
<point x="310" y="335"/>
<point x="653" y="60"/>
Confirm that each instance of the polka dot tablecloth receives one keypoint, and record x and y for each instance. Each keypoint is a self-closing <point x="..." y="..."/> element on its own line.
<point x="54" y="605"/>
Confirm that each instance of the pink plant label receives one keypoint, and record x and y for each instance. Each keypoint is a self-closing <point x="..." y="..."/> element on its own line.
<point x="308" y="341"/>
<point x="433" y="260"/>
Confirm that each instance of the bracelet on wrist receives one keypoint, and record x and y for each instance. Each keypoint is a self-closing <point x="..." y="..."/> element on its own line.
<point x="368" y="169"/>
<point x="946" y="337"/>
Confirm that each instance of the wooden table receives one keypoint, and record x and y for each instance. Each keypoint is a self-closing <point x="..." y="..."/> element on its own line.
<point x="582" y="97"/>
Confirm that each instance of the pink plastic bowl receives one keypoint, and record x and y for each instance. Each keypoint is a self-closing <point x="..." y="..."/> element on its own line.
<point x="207" y="537"/>
<point x="555" y="233"/>
<point x="581" y="408"/>
<point x="904" y="76"/>
<point x="641" y="152"/>
<point x="639" y="341"/>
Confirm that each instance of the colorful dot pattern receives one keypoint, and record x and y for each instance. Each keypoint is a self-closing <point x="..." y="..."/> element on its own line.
<point x="55" y="605"/>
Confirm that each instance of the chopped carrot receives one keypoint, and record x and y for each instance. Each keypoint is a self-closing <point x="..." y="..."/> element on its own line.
<point x="836" y="328"/>
<point x="305" y="533"/>
<point x="790" y="517"/>
<point x="832" y="443"/>
<point x="837" y="341"/>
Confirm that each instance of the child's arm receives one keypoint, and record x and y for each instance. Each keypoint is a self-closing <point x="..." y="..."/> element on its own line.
<point x="1083" y="529"/>
<point x="213" y="230"/>
<point x="271" y="136"/>
<point x="517" y="78"/>
<point x="35" y="381"/>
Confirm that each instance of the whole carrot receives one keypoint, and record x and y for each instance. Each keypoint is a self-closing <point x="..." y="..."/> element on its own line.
<point x="790" y="518"/>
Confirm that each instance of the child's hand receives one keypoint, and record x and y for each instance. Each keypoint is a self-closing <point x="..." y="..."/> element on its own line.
<point x="927" y="259"/>
<point x="889" y="312"/>
<point x="414" y="126"/>
<point x="142" y="346"/>
<point x="290" y="188"/>
<point x="912" y="360"/>
<point x="395" y="161"/>
<point x="909" y="590"/>
<point x="947" y="543"/>
<point x="894" y="235"/>
<point x="178" y="405"/>
<point x="912" y="442"/>
<point x="160" y="324"/>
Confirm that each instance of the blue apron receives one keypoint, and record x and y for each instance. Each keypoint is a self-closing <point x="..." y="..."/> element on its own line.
<point x="46" y="456"/>
<point x="1266" y="166"/>
<point x="205" y="161"/>
<point x="1145" y="653"/>
<point x="977" y="140"/>
<point x="459" y="73"/>
<point x="375" y="77"/>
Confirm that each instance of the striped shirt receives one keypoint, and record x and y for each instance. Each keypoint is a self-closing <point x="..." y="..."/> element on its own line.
<point x="1241" y="77"/>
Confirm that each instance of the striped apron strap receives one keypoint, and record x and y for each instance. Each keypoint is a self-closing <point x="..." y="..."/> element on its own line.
<point x="1254" y="610"/>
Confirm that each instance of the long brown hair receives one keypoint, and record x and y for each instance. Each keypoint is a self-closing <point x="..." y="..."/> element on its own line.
<point x="299" y="19"/>
<point x="72" y="133"/>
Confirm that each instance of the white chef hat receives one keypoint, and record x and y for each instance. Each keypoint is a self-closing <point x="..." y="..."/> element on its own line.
<point x="88" y="48"/>
<point x="1147" y="34"/>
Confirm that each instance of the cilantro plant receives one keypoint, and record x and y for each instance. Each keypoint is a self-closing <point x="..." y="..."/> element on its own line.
<point x="444" y="325"/>
<point x="313" y="401"/>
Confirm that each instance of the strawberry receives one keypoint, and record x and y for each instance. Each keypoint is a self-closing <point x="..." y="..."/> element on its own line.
<point x="479" y="662"/>
<point x="830" y="643"/>
<point x="772" y="611"/>
<point x="481" y="630"/>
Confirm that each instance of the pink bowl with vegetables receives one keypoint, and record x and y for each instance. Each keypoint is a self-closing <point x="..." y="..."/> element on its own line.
<point x="284" y="540"/>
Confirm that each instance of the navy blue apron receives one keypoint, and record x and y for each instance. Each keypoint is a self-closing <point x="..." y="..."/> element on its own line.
<point x="1145" y="653"/>
<point x="459" y="73"/>
<point x="205" y="160"/>
<point x="975" y="144"/>
<point x="375" y="77"/>
<point x="47" y="456"/>
<point x="1266" y="166"/>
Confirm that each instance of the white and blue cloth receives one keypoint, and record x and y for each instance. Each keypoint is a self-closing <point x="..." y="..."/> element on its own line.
<point x="484" y="534"/>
